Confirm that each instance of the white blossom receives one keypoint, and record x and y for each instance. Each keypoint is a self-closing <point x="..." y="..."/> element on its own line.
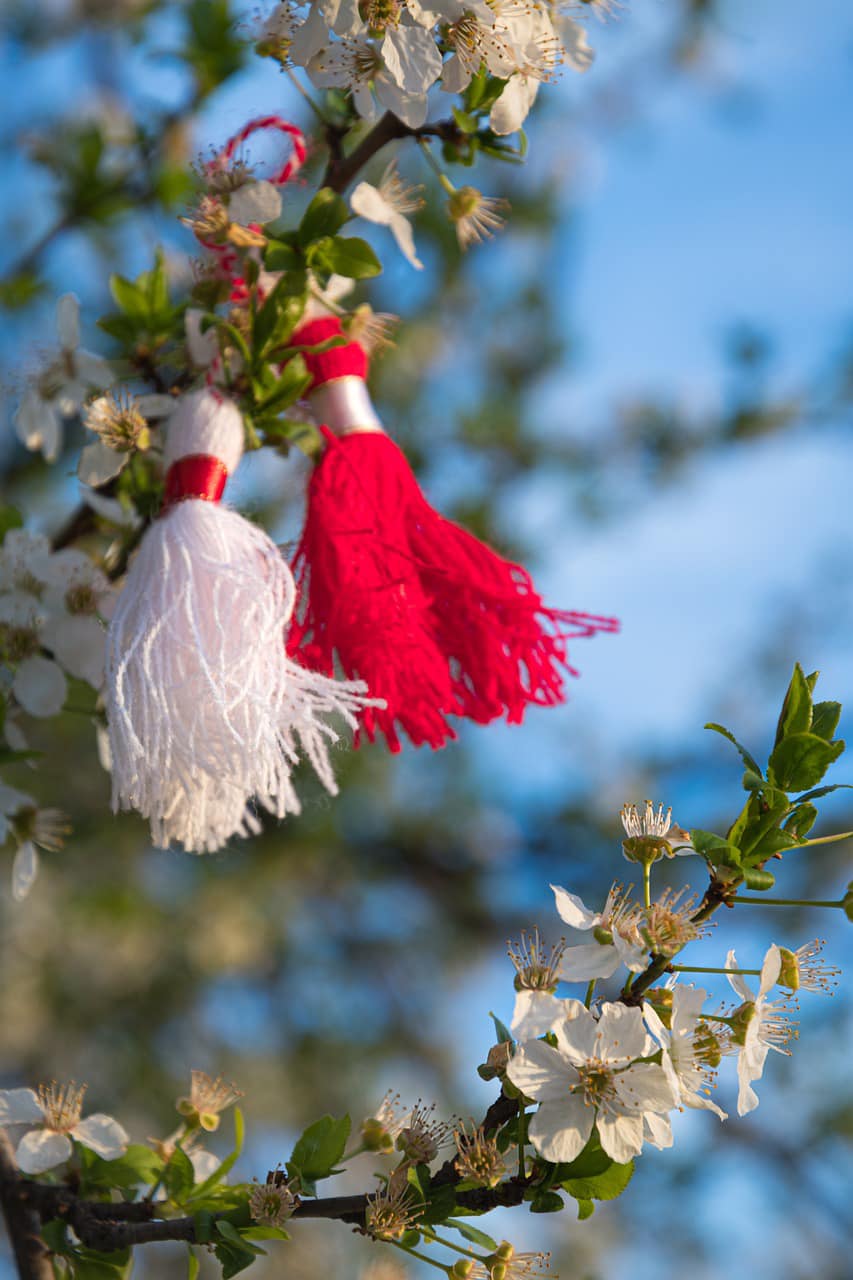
<point x="359" y="66"/>
<point x="690" y="1050"/>
<point x="592" y="1078"/>
<point x="59" y="389"/>
<point x="56" y="1111"/>
<point x="387" y="206"/>
<point x="762" y="1025"/>
<point x="616" y="929"/>
<point x="31" y="828"/>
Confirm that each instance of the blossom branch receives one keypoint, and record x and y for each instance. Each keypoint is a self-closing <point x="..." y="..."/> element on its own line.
<point x="23" y="1220"/>
<point x="342" y="169"/>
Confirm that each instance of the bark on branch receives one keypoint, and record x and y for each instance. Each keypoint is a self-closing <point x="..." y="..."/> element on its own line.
<point x="107" y="1227"/>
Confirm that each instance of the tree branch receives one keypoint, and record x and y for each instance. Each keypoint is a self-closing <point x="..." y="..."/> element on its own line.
<point x="715" y="895"/>
<point x="107" y="1227"/>
<point x="23" y="1220"/>
<point x="341" y="169"/>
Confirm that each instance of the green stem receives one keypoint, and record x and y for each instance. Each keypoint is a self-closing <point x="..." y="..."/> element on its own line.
<point x="589" y="993"/>
<point x="647" y="884"/>
<point x="300" y="88"/>
<point x="701" y="968"/>
<point x="430" y="1234"/>
<point x="415" y="1253"/>
<point x="786" y="902"/>
<point x="843" y="835"/>
<point x="436" y="167"/>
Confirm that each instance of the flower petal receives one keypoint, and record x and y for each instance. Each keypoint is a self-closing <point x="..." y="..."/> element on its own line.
<point x="19" y="1106"/>
<point x="99" y="463"/>
<point x="42" y="1149"/>
<point x="39" y="686"/>
<point x="255" y="202"/>
<point x="560" y="1130"/>
<point x="368" y="202"/>
<point x="577" y="1033"/>
<point x="25" y="870"/>
<point x="644" y="1087"/>
<point x="79" y="643"/>
<point x="535" y="1013"/>
<point x="770" y="970"/>
<point x="401" y="230"/>
<point x="572" y="910"/>
<point x="540" y="1071"/>
<point x="621" y="1136"/>
<point x="103" y="1135"/>
<point x="511" y="109"/>
<point x="622" y="1034"/>
<point x="658" y="1131"/>
<point x="736" y="981"/>
<point x="591" y="960"/>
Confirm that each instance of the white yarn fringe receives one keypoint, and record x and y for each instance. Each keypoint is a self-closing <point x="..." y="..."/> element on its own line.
<point x="208" y="717"/>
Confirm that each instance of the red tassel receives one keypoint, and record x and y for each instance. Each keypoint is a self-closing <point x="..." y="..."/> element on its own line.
<point x="436" y="622"/>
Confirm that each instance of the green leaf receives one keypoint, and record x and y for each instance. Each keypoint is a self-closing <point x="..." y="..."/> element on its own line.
<point x="601" y="1186"/>
<point x="713" y="847"/>
<point x="502" y="1032"/>
<point x="440" y="1203"/>
<point x="547" y="1202"/>
<point x="472" y="1233"/>
<point x="178" y="1176"/>
<point x="773" y="841"/>
<point x="10" y="518"/>
<point x="801" y="759"/>
<point x="801" y="821"/>
<point x="796" y="714"/>
<point x="230" y="1233"/>
<point x="825" y="717"/>
<point x="824" y="791"/>
<point x="757" y="878"/>
<point x="138" y="1166"/>
<point x="279" y="256"/>
<point x="55" y="1236"/>
<point x="88" y="1264"/>
<point x="233" y="1260"/>
<point x="586" y="1208"/>
<point x="129" y="298"/>
<point x="320" y="1148"/>
<point x="193" y="1265"/>
<point x="748" y="760"/>
<point x="345" y="256"/>
<point x="325" y="216"/>
<point x="467" y="123"/>
<point x="258" y="1232"/>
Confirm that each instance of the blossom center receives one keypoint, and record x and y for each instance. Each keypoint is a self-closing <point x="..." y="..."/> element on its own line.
<point x="62" y="1106"/>
<point x="595" y="1082"/>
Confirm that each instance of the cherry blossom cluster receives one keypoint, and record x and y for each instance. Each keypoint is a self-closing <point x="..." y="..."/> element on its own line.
<point x="621" y="1066"/>
<point x="390" y="53"/>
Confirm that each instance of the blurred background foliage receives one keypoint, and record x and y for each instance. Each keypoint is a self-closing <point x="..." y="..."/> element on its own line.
<point x="698" y="494"/>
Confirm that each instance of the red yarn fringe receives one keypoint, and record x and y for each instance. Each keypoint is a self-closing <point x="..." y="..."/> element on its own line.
<point x="431" y="618"/>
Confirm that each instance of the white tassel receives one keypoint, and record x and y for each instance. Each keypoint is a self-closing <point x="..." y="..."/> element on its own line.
<point x="206" y="712"/>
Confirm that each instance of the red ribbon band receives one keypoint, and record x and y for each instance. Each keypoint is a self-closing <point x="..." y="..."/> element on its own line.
<point x="346" y="361"/>
<point x="197" y="475"/>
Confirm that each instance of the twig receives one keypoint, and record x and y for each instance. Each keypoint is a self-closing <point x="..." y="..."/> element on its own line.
<point x="341" y="170"/>
<point x="23" y="1221"/>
